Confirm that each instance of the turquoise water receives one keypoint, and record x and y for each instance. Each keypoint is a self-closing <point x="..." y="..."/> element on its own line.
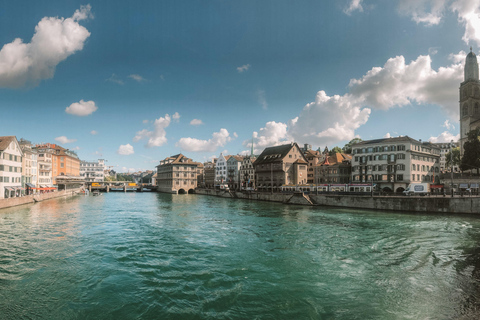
<point x="160" y="256"/>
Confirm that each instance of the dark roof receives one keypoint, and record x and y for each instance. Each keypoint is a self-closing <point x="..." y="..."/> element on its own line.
<point x="386" y="140"/>
<point x="274" y="154"/>
<point x="5" y="141"/>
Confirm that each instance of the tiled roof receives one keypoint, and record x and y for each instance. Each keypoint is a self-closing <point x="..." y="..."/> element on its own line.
<point x="273" y="154"/>
<point x="5" y="141"/>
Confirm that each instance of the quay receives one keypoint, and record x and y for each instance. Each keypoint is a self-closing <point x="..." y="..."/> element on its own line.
<point x="124" y="186"/>
<point x="432" y="204"/>
<point x="30" y="199"/>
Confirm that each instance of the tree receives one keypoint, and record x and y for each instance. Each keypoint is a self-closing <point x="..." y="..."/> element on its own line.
<point x="348" y="147"/>
<point x="453" y="158"/>
<point x="471" y="152"/>
<point x="335" y="150"/>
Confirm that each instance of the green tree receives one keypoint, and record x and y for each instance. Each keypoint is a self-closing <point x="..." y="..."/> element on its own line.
<point x="471" y="152"/>
<point x="453" y="158"/>
<point x="347" y="148"/>
<point x="335" y="150"/>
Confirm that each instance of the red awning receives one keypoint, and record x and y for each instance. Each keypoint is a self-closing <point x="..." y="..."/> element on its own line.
<point x="436" y="186"/>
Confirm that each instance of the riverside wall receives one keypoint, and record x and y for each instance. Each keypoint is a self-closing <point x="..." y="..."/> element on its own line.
<point x="12" y="202"/>
<point x="468" y="205"/>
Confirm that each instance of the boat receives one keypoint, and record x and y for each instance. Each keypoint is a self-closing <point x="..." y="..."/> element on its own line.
<point x="96" y="193"/>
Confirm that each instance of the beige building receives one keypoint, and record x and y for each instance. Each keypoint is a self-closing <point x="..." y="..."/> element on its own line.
<point x="29" y="167"/>
<point x="209" y="173"/>
<point x="314" y="158"/>
<point x="177" y="174"/>
<point x="281" y="165"/>
<point x="247" y="172"/>
<point x="335" y="169"/>
<point x="393" y="163"/>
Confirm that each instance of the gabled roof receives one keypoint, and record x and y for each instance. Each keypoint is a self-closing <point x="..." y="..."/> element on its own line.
<point x="5" y="142"/>
<point x="336" y="159"/>
<point x="386" y="140"/>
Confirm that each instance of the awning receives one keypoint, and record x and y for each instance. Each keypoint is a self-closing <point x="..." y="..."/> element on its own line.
<point x="19" y="188"/>
<point x="436" y="186"/>
<point x="463" y="186"/>
<point x="30" y="185"/>
<point x="474" y="185"/>
<point x="9" y="188"/>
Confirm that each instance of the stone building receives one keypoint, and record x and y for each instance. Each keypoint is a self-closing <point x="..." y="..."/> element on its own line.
<point x="233" y="172"/>
<point x="10" y="168"/>
<point x="280" y="165"/>
<point x="335" y="169"/>
<point x="469" y="99"/>
<point x="177" y="174"/>
<point x="393" y="163"/>
<point x="314" y="158"/>
<point x="209" y="173"/>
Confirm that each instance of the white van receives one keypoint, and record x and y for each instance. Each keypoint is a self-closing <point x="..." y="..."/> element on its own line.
<point x="420" y="189"/>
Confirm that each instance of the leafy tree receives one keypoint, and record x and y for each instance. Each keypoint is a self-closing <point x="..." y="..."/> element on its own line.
<point x="335" y="150"/>
<point x="347" y="148"/>
<point x="471" y="152"/>
<point x="453" y="157"/>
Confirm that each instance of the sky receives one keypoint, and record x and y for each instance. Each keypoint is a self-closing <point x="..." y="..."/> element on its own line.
<point x="134" y="82"/>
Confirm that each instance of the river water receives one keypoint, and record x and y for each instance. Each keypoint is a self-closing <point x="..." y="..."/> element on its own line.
<point x="161" y="256"/>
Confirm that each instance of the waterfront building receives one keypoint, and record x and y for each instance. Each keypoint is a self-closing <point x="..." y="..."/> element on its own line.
<point x="44" y="160"/>
<point x="221" y="169"/>
<point x="335" y="169"/>
<point x="93" y="170"/>
<point x="280" y="165"/>
<point x="65" y="163"/>
<point x="209" y="173"/>
<point x="314" y="158"/>
<point x="177" y="174"/>
<point x="233" y="171"/>
<point x="29" y="167"/>
<point x="393" y="163"/>
<point x="200" y="175"/>
<point x="469" y="99"/>
<point x="11" y="156"/>
<point x="445" y="148"/>
<point x="247" y="172"/>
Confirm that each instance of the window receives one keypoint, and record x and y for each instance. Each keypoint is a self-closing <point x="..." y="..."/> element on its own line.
<point x="399" y="177"/>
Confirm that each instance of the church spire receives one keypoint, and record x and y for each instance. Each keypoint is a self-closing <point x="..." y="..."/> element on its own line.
<point x="471" y="67"/>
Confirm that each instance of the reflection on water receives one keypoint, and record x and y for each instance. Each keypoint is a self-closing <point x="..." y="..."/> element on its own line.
<point x="150" y="256"/>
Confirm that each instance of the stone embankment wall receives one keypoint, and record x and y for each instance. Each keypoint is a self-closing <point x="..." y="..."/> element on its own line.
<point x="12" y="202"/>
<point x="469" y="205"/>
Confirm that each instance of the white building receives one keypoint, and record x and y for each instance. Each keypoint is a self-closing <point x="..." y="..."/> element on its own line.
<point x="393" y="163"/>
<point x="10" y="168"/>
<point x="44" y="161"/>
<point x="29" y="167"/>
<point x="444" y="150"/>
<point x="93" y="171"/>
<point x="233" y="171"/>
<point x="221" y="173"/>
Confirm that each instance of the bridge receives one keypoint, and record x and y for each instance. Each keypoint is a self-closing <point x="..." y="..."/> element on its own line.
<point x="119" y="186"/>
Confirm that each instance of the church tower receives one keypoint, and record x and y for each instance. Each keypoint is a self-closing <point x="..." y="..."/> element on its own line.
<point x="469" y="99"/>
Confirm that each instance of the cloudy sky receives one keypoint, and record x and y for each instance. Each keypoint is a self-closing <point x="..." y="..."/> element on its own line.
<point x="135" y="82"/>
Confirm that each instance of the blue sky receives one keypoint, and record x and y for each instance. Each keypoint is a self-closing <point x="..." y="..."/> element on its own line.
<point x="135" y="82"/>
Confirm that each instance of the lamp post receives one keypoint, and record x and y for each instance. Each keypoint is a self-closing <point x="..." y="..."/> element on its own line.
<point x="451" y="163"/>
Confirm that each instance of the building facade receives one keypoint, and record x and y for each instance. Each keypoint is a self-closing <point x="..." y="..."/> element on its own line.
<point x="209" y="173"/>
<point x="233" y="171"/>
<point x="221" y="172"/>
<point x="247" y="172"/>
<point x="393" y="163"/>
<point x="93" y="171"/>
<point x="45" y="167"/>
<point x="10" y="168"/>
<point x="280" y="165"/>
<point x="469" y="99"/>
<point x="335" y="169"/>
<point x="444" y="150"/>
<point x="177" y="174"/>
<point x="314" y="158"/>
<point x="29" y="167"/>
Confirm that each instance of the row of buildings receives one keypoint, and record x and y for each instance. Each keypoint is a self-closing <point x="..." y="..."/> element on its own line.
<point x="27" y="168"/>
<point x="390" y="164"/>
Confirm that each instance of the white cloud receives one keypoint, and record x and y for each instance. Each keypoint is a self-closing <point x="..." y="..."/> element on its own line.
<point x="243" y="68"/>
<point x="137" y="77"/>
<point x="219" y="139"/>
<point x="157" y="137"/>
<point x="235" y="135"/>
<point x="82" y="108"/>
<point x="115" y="79"/>
<point x="355" y="5"/>
<point x="76" y="148"/>
<point x="176" y="116"/>
<point x="94" y="132"/>
<point x="125" y="149"/>
<point x="64" y="140"/>
<point x="387" y="135"/>
<point x="145" y="121"/>
<point x="429" y="12"/>
<point x="444" y="137"/>
<point x="273" y="134"/>
<point x="55" y="39"/>
<point x="196" y="122"/>
<point x="262" y="100"/>
<point x="448" y="125"/>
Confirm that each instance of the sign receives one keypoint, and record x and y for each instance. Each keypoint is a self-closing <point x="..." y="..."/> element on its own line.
<point x="419" y="188"/>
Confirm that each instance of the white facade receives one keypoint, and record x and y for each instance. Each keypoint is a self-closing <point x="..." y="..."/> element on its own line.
<point x="444" y="150"/>
<point x="394" y="163"/>
<point x="10" y="168"/>
<point x="93" y="171"/>
<point x="44" y="161"/>
<point x="221" y="172"/>
<point x="233" y="171"/>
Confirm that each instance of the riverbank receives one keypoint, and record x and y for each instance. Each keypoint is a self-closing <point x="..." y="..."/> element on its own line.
<point x="12" y="202"/>
<point x="469" y="205"/>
